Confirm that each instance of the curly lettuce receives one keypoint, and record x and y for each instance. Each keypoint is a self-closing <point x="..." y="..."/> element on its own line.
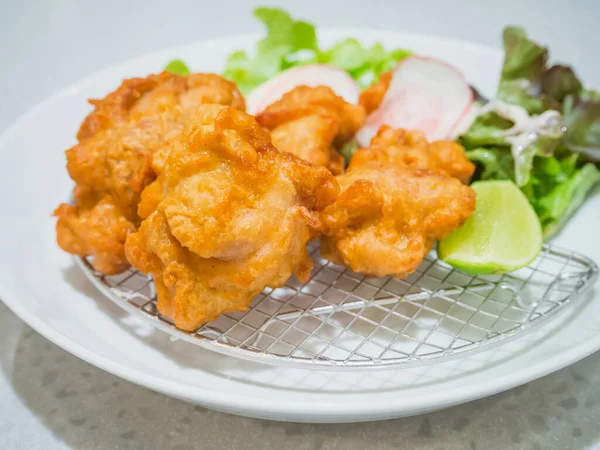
<point x="493" y="163"/>
<point x="524" y="62"/>
<point x="551" y="167"/>
<point x="558" y="188"/>
<point x="582" y="118"/>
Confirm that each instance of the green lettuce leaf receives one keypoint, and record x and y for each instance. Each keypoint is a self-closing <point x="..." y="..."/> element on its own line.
<point x="493" y="130"/>
<point x="348" y="150"/>
<point x="523" y="58"/>
<point x="582" y="119"/>
<point x="177" y="67"/>
<point x="560" y="81"/>
<point x="348" y="55"/>
<point x="285" y="45"/>
<point x="526" y="79"/>
<point x="558" y="186"/>
<point x="248" y="72"/>
<point x="486" y="130"/>
<point x="283" y="31"/>
<point x="493" y="163"/>
<point x="550" y="169"/>
<point x="290" y="43"/>
<point x="558" y="205"/>
<point x="363" y="64"/>
<point x="524" y="64"/>
<point x="521" y="92"/>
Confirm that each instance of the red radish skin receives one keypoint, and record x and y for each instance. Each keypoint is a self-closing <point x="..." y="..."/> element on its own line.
<point x="425" y="94"/>
<point x="310" y="75"/>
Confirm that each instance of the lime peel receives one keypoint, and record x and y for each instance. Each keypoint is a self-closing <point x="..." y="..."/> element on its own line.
<point x="503" y="234"/>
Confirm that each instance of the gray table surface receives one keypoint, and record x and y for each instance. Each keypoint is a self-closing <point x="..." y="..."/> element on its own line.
<point x="49" y="399"/>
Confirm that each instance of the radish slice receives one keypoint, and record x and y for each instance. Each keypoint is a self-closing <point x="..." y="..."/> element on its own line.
<point x="424" y="94"/>
<point x="465" y="121"/>
<point x="310" y="75"/>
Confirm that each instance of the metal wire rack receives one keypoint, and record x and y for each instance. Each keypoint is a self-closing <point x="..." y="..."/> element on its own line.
<point x="342" y="319"/>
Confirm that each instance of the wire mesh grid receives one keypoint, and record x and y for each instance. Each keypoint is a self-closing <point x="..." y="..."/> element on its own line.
<point x="342" y="319"/>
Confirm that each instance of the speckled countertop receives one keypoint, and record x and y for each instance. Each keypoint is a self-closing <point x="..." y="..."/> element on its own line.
<point x="49" y="399"/>
<point x="52" y="400"/>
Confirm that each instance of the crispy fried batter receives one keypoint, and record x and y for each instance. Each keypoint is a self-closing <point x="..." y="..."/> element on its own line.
<point x="391" y="211"/>
<point x="312" y="123"/>
<point x="122" y="144"/>
<point x="411" y="149"/>
<point x="98" y="231"/>
<point x="372" y="97"/>
<point x="231" y="216"/>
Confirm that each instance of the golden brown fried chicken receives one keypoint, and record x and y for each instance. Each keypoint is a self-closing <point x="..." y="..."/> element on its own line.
<point x="398" y="147"/>
<point x="228" y="216"/>
<point x="99" y="231"/>
<point x="122" y="144"/>
<point x="390" y="213"/>
<point x="372" y="97"/>
<point x="313" y="123"/>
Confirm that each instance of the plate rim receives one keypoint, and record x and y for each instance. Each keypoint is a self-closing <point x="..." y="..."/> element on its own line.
<point x="271" y="407"/>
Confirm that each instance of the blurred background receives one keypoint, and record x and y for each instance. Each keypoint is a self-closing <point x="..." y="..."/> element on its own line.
<point x="47" y="45"/>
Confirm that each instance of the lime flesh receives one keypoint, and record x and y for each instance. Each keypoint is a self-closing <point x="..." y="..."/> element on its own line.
<point x="503" y="234"/>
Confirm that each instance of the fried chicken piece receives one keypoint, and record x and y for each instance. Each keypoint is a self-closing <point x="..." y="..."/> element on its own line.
<point x="122" y="144"/>
<point x="231" y="216"/>
<point x="99" y="231"/>
<point x="372" y="97"/>
<point x="399" y="147"/>
<point x="313" y="123"/>
<point x="389" y="213"/>
<point x="153" y="95"/>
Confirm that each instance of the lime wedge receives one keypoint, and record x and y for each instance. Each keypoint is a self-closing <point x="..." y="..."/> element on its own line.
<point x="502" y="235"/>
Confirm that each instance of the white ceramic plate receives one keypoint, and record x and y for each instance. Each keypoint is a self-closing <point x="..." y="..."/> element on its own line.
<point x="42" y="285"/>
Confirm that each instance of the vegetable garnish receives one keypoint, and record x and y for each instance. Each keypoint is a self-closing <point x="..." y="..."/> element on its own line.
<point x="526" y="136"/>
<point x="310" y="75"/>
<point x="502" y="235"/>
<point x="290" y="43"/>
<point x="424" y="94"/>
<point x="539" y="132"/>
<point x="178" y="67"/>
